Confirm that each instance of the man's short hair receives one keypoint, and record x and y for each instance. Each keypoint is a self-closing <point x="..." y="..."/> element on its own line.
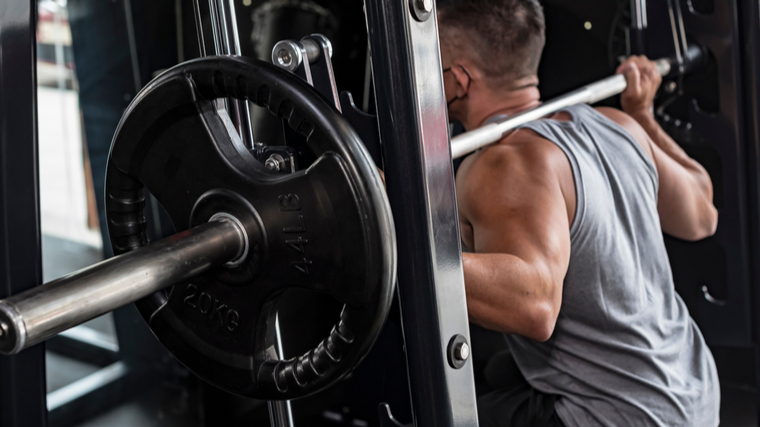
<point x="504" y="38"/>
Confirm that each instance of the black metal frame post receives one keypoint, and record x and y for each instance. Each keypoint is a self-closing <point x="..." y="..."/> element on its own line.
<point x="406" y="66"/>
<point x="22" y="384"/>
<point x="749" y="12"/>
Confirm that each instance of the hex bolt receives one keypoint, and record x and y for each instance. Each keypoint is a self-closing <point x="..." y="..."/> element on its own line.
<point x="275" y="162"/>
<point x="425" y="5"/>
<point x="421" y="9"/>
<point x="462" y="351"/>
<point x="457" y="351"/>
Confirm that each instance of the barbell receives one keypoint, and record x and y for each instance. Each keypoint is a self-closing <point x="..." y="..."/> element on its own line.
<point x="467" y="142"/>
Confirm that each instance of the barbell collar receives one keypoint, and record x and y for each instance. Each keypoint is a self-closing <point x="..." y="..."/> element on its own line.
<point x="43" y="311"/>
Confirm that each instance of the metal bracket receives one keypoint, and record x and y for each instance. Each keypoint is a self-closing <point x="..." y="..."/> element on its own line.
<point x="276" y="158"/>
<point x="309" y="58"/>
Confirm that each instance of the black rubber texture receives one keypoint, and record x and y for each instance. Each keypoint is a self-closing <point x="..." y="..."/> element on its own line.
<point x="176" y="106"/>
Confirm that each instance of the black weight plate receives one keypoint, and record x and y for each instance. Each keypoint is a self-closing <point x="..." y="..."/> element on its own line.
<point x="327" y="228"/>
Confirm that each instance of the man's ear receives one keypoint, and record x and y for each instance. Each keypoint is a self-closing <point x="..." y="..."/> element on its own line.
<point x="463" y="80"/>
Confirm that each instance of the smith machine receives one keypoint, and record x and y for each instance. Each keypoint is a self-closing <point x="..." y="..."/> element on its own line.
<point x="251" y="222"/>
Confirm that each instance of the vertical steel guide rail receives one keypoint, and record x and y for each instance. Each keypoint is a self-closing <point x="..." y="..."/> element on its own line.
<point x="227" y="42"/>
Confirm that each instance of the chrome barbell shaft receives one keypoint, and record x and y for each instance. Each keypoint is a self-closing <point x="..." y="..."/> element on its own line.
<point x="43" y="311"/>
<point x="468" y="142"/>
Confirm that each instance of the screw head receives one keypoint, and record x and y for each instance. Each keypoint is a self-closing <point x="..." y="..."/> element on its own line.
<point x="671" y="87"/>
<point x="462" y="351"/>
<point x="284" y="58"/>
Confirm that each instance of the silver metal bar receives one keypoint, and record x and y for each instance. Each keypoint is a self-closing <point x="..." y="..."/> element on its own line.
<point x="493" y="132"/>
<point x="199" y="27"/>
<point x="639" y="14"/>
<point x="227" y="42"/>
<point x="280" y="412"/>
<point x="43" y="311"/>
<point x="674" y="30"/>
<point x="679" y="35"/>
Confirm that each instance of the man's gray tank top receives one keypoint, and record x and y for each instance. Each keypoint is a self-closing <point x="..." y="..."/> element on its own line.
<point x="625" y="351"/>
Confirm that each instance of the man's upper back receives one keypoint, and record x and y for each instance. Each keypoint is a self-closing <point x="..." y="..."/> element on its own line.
<point x="624" y="349"/>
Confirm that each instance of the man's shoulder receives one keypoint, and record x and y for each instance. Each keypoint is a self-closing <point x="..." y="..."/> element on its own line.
<point x="522" y="145"/>
<point x="617" y="116"/>
<point x="522" y="158"/>
<point x="521" y="150"/>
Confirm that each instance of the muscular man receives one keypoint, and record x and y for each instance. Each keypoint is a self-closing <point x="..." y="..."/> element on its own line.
<point x="564" y="218"/>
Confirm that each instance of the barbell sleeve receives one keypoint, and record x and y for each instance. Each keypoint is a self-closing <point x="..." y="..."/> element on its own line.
<point x="33" y="316"/>
<point x="473" y="140"/>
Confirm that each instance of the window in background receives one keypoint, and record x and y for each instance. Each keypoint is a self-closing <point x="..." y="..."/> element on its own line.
<point x="71" y="238"/>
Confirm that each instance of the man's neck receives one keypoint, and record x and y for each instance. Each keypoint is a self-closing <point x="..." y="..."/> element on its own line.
<point x="506" y="102"/>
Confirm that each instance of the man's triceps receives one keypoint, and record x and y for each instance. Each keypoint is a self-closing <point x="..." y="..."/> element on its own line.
<point x="520" y="233"/>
